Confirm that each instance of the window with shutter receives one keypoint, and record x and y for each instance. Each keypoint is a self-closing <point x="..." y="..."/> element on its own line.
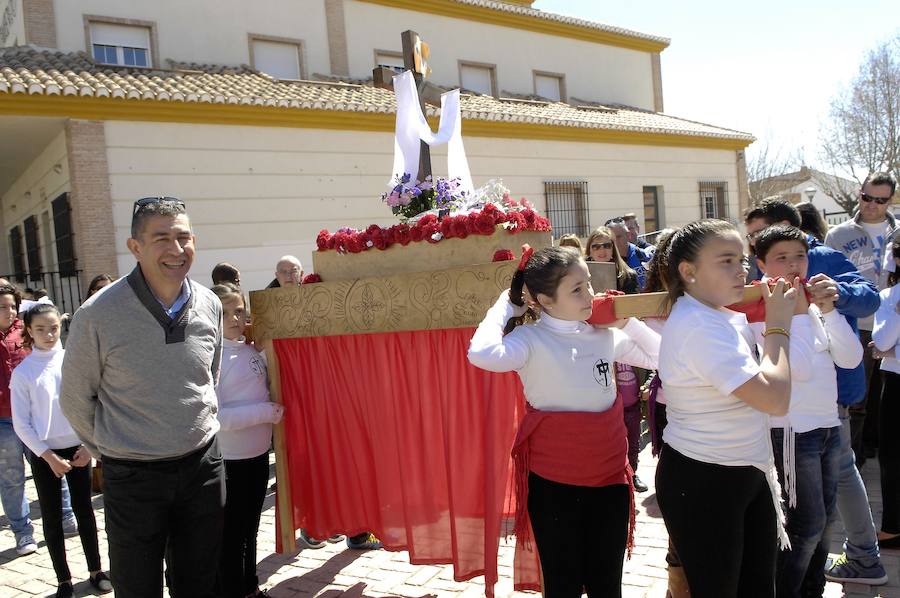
<point x="62" y="224"/>
<point x="17" y="253"/>
<point x="32" y="248"/>
<point x="567" y="207"/>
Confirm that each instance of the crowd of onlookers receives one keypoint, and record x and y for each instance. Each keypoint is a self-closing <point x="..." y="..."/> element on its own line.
<point x="159" y="389"/>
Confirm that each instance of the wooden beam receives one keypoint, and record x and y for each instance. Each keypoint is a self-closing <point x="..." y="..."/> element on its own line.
<point x="653" y="305"/>
<point x="285" y="522"/>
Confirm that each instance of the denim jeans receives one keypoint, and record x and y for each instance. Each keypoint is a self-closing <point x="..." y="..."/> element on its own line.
<point x="816" y="464"/>
<point x="12" y="480"/>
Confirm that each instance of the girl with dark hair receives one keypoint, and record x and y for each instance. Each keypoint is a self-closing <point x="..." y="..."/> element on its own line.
<point x="601" y="247"/>
<point x="811" y="220"/>
<point x="54" y="449"/>
<point x="573" y="480"/>
<point x="718" y="395"/>
<point x="97" y="283"/>
<point x="886" y="345"/>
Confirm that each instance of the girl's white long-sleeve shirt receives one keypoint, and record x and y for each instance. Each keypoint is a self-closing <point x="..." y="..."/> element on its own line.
<point x="886" y="331"/>
<point x="564" y="365"/>
<point x="818" y="343"/>
<point x="37" y="417"/>
<point x="245" y="412"/>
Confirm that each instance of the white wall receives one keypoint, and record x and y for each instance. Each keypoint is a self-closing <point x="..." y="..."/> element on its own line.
<point x="593" y="71"/>
<point x="206" y="31"/>
<point x="215" y="31"/>
<point x="12" y="23"/>
<point x="256" y="193"/>
<point x="40" y="183"/>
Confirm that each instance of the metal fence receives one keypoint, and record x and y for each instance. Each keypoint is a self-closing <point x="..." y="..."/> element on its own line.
<point x="833" y="218"/>
<point x="64" y="289"/>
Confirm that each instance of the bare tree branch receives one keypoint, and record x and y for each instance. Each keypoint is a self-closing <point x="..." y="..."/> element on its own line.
<point x="862" y="134"/>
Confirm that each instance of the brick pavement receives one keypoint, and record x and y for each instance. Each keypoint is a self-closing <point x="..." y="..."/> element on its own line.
<point x="335" y="571"/>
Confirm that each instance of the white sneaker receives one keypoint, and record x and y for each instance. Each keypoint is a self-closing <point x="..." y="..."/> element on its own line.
<point x="25" y="545"/>
<point x="70" y="527"/>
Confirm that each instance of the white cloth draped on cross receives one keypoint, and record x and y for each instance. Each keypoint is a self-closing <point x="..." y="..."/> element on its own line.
<point x="411" y="128"/>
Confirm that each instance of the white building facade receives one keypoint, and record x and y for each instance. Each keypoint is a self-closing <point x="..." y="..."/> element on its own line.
<point x="259" y="116"/>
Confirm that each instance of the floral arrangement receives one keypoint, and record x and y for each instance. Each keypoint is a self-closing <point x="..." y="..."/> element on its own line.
<point x="511" y="215"/>
<point x="408" y="200"/>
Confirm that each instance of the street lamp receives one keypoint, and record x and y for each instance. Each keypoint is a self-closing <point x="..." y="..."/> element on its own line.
<point x="810" y="193"/>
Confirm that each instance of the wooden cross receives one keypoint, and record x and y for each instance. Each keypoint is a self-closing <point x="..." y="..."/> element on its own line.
<point x="415" y="59"/>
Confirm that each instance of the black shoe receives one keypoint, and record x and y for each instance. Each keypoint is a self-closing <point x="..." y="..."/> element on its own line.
<point x="639" y="485"/>
<point x="101" y="583"/>
<point x="65" y="590"/>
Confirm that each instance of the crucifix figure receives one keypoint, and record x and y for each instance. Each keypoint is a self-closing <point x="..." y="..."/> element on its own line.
<point x="415" y="59"/>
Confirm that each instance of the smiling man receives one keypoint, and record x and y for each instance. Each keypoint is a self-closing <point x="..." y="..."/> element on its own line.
<point x="138" y="381"/>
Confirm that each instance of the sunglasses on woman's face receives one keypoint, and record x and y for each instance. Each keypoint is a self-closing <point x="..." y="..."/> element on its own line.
<point x="596" y="246"/>
<point x="879" y="200"/>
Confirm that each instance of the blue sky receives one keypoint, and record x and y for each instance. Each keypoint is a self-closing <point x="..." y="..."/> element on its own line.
<point x="769" y="68"/>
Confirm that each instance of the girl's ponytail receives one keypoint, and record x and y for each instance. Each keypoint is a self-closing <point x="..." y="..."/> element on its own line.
<point x="517" y="289"/>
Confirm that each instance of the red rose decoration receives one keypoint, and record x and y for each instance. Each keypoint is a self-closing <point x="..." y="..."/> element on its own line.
<point x="503" y="255"/>
<point x="484" y="224"/>
<point x="517" y="221"/>
<point x="494" y="212"/>
<point x="339" y="241"/>
<point x="373" y="230"/>
<point x="459" y="227"/>
<point x="379" y="240"/>
<point x="447" y="226"/>
<point x="311" y="278"/>
<point x="402" y="233"/>
<point x="416" y="234"/>
<point x="427" y="220"/>
<point x="354" y="243"/>
<point x="529" y="216"/>
<point x="322" y="239"/>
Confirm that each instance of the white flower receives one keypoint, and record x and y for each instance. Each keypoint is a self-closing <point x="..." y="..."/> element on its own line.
<point x="437" y="236"/>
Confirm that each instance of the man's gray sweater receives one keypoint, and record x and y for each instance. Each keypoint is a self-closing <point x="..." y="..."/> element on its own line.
<point x="137" y="384"/>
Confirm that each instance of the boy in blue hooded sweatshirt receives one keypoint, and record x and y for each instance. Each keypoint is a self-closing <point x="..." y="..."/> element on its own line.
<point x="828" y="270"/>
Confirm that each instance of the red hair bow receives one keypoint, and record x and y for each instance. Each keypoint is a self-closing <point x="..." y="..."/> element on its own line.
<point x="527" y="252"/>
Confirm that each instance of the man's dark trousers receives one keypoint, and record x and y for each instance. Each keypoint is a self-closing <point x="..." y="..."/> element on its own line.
<point x="172" y="509"/>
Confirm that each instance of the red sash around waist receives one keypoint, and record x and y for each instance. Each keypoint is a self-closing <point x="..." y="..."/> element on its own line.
<point x="570" y="447"/>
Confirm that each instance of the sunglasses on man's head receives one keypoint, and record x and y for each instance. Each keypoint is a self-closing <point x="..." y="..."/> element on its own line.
<point x="149" y="201"/>
<point x="879" y="200"/>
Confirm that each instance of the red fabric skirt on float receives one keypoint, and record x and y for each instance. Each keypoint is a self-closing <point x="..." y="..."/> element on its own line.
<point x="397" y="434"/>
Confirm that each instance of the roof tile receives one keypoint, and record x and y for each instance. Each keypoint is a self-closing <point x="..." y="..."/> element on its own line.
<point x="39" y="71"/>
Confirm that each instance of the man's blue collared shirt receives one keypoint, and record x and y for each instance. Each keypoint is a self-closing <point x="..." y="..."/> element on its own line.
<point x="183" y="298"/>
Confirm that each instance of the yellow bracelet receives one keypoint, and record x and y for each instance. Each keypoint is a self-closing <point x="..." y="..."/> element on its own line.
<point x="781" y="331"/>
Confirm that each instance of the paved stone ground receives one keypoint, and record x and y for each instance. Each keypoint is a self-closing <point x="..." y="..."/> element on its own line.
<point x="335" y="571"/>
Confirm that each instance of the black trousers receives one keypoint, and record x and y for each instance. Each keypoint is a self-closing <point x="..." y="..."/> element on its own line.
<point x="889" y="452"/>
<point x="245" y="484"/>
<point x="722" y="522"/>
<point x="580" y="533"/>
<point x="49" y="490"/>
<point x="864" y="415"/>
<point x="170" y="509"/>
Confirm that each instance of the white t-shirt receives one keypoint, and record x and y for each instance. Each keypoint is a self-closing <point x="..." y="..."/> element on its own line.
<point x="878" y="232"/>
<point x="886" y="331"/>
<point x="704" y="356"/>
<point x="564" y="365"/>
<point x="818" y="343"/>
<point x="245" y="412"/>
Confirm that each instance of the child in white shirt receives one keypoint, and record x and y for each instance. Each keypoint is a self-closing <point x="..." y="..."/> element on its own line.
<point x="54" y="449"/>
<point x="806" y="441"/>
<point x="246" y="416"/>
<point x="573" y="476"/>
<point x="716" y="482"/>
<point x="886" y="345"/>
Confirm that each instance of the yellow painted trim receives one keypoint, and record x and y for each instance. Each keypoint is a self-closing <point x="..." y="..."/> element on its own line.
<point x="448" y="8"/>
<point x="91" y="108"/>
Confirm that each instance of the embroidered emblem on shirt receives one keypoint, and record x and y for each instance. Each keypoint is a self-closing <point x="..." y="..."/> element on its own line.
<point x="601" y="372"/>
